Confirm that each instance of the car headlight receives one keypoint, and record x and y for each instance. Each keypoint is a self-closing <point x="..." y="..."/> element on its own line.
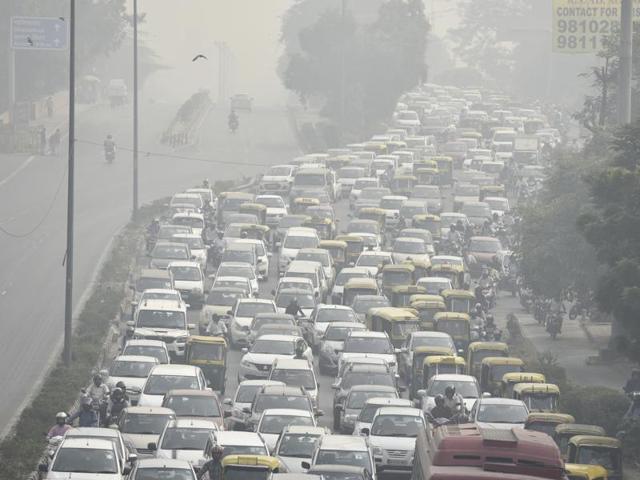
<point x="350" y="418"/>
<point x="392" y="364"/>
<point x="246" y="364"/>
<point x="377" y="451"/>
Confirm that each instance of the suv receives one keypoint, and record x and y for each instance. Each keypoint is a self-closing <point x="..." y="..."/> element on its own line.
<point x="188" y="279"/>
<point x="166" y="252"/>
<point x="243" y="314"/>
<point x="184" y="439"/>
<point x="370" y="344"/>
<point x="296" y="373"/>
<point x="295" y="239"/>
<point x="164" y="320"/>
<point x="277" y="396"/>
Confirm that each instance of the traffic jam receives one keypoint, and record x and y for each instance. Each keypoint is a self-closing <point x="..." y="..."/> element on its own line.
<point x="334" y="320"/>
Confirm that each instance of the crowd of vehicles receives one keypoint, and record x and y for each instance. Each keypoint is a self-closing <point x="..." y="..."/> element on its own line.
<point x="388" y="255"/>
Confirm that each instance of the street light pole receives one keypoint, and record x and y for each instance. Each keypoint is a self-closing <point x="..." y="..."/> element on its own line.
<point x="626" y="51"/>
<point x="68" y="297"/>
<point x="135" y="108"/>
<point x="343" y="76"/>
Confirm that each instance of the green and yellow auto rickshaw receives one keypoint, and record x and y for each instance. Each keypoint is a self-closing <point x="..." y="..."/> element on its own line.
<point x="338" y="251"/>
<point x="427" y="306"/>
<point x="355" y="245"/>
<point x="210" y="354"/>
<point x="373" y="213"/>
<point x="429" y="222"/>
<point x="576" y="471"/>
<point x="452" y="271"/>
<point x="440" y="364"/>
<point x="457" y="325"/>
<point x="254" y="231"/>
<point x="401" y="294"/>
<point x="398" y="323"/>
<point x="510" y="380"/>
<point x="493" y="369"/>
<point x="300" y="204"/>
<point x="563" y="432"/>
<point x="257" y="209"/>
<point x="427" y="176"/>
<point x="418" y="356"/>
<point x="538" y="397"/>
<point x="421" y="267"/>
<point x="478" y="351"/>
<point x="403" y="184"/>
<point x="597" y="450"/>
<point x="424" y="163"/>
<point x="547" y="422"/>
<point x="359" y="286"/>
<point x="445" y="169"/>
<point x="492" y="191"/>
<point x="461" y="301"/>
<point x="253" y="467"/>
<point x="324" y="226"/>
<point x="395" y="275"/>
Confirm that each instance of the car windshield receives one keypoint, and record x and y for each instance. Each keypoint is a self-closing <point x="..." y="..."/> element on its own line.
<point x="485" y="246"/>
<point x="247" y="393"/>
<point x="85" y="460"/>
<point x="143" y="424"/>
<point x="367" y="378"/>
<point x="447" y="219"/>
<point x="368" y="345"/>
<point x="193" y="222"/>
<point x="421" y="191"/>
<point x="164" y="473"/>
<point x="274" y="424"/>
<point x="321" y="257"/>
<point x="193" y="406"/>
<point x="300" y="241"/>
<point x="419" y="341"/>
<point x="397" y="426"/>
<point x="409" y="247"/>
<point x="343" y="277"/>
<point x="291" y="221"/>
<point x="125" y="368"/>
<point x="172" y="252"/>
<point x="338" y="334"/>
<point x="391" y="277"/>
<point x="265" y="402"/>
<point x="336" y="315"/>
<point x="147" y="351"/>
<point x="465" y="190"/>
<point x="358" y="399"/>
<point x="498" y="203"/>
<point x="341" y="476"/>
<point x="269" y="320"/>
<point x="195" y="243"/>
<point x="464" y="388"/>
<point x="360" y="184"/>
<point x="245" y="256"/>
<point x="251" y="309"/>
<point x="369" y="410"/>
<point x="309" y="180"/>
<point x="273" y="347"/>
<point x="236" y="271"/>
<point x="300" y="445"/>
<point x="186" y="274"/>
<point x="408" y="211"/>
<point x="392" y="203"/>
<point x="403" y="329"/>
<point x="222" y="298"/>
<point x="271" y="202"/>
<point x="501" y="413"/>
<point x="350" y="172"/>
<point x="371" y="260"/>
<point x="363" y="227"/>
<point x="161" y="319"/>
<point x="294" y="378"/>
<point x="435" y="287"/>
<point x="278" y="171"/>
<point x="471" y="210"/>
<point x="177" y="438"/>
<point x="363" y="306"/>
<point x="166" y="295"/>
<point x="147" y="283"/>
<point x="161" y="384"/>
<point x="373" y="193"/>
<point x="305" y="300"/>
<point x="344" y="457"/>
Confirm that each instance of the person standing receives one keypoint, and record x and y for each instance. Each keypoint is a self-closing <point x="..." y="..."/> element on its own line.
<point x="54" y="142"/>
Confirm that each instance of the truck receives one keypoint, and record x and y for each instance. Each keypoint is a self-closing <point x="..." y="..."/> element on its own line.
<point x="526" y="149"/>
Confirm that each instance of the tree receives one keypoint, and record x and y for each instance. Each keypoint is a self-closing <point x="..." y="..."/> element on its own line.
<point x="612" y="226"/>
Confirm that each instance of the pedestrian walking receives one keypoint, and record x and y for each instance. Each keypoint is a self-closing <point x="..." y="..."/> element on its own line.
<point x="54" y="142"/>
<point x="43" y="140"/>
<point x="49" y="107"/>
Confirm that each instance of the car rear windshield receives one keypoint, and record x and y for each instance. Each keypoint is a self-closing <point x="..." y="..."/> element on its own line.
<point x="193" y="406"/>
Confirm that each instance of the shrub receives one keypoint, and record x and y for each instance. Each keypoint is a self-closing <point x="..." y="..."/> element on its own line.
<point x="596" y="405"/>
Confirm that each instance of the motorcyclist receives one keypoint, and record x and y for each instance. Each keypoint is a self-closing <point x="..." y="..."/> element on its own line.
<point x="294" y="308"/>
<point x="61" y="427"/>
<point x="205" y="183"/>
<point x="487" y="228"/>
<point x="477" y="315"/>
<point x="440" y="410"/>
<point x="123" y="387"/>
<point x="300" y="348"/>
<point x="99" y="394"/>
<point x="215" y="250"/>
<point x="152" y="233"/>
<point x="109" y="144"/>
<point x="453" y="400"/>
<point x="491" y="330"/>
<point x="485" y="280"/>
<point x="86" y="415"/>
<point x="453" y="235"/>
<point x="213" y="468"/>
<point x="633" y="384"/>
<point x="233" y="121"/>
<point x="216" y="328"/>
<point x="117" y="403"/>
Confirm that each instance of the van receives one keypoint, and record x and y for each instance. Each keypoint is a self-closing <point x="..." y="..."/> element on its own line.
<point x="312" y="271"/>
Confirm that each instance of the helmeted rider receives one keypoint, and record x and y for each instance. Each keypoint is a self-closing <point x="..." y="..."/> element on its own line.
<point x="86" y="415"/>
<point x="153" y="228"/>
<point x="294" y="308"/>
<point x="61" y="427"/>
<point x="216" y="328"/>
<point x="117" y="403"/>
<point x="213" y="468"/>
<point x="300" y="348"/>
<point x="633" y="384"/>
<point x="453" y="400"/>
<point x="233" y="120"/>
<point x="109" y="144"/>
<point x="123" y="387"/>
<point x="440" y="410"/>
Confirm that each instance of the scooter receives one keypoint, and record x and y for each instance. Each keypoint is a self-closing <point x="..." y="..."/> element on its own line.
<point x="554" y="326"/>
<point x="110" y="154"/>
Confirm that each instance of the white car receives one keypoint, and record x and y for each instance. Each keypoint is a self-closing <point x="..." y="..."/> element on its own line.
<point x="305" y="300"/>
<point x="296" y="283"/>
<point x="274" y="420"/>
<point x="323" y="257"/>
<point x="256" y="362"/>
<point x="81" y="458"/>
<point x="296" y="372"/>
<point x="242" y="283"/>
<point x="343" y="450"/>
<point x="149" y="348"/>
<point x="373" y="260"/>
<point x="392" y="204"/>
<point x="501" y="413"/>
<point x="163" y="378"/>
<point x="190" y="219"/>
<point x="405" y="248"/>
<point x="297" y="443"/>
<point x="239" y="269"/>
<point x="345" y="275"/>
<point x="277" y="180"/>
<point x="133" y="370"/>
<point x="371" y="407"/>
<point x="498" y="205"/>
<point x="150" y="467"/>
<point x="276" y="208"/>
<point x="369" y="344"/>
<point x="243" y="313"/>
<point x="434" y="285"/>
<point x="261" y="252"/>
<point x="188" y="279"/>
<point x="392" y="437"/>
<point x="184" y="439"/>
<point x="245" y="394"/>
<point x="141" y="426"/>
<point x="407" y="119"/>
<point x="323" y="315"/>
<point x="196" y="246"/>
<point x="295" y="239"/>
<point x="358" y="185"/>
<point x="465" y="385"/>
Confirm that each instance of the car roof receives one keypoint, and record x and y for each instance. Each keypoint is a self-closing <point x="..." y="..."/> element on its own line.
<point x="282" y="390"/>
<point x="89" y="443"/>
<point x="430" y="334"/>
<point x="302" y="231"/>
<point x="305" y="429"/>
<point x="255" y="300"/>
<point x="191" y="393"/>
<point x="336" y="469"/>
<point x="356" y="325"/>
<point x="368" y="334"/>
<point x="162" y="304"/>
<point x="190" y="422"/>
<point x="174" y="369"/>
<point x="162" y="463"/>
<point x="407" y="411"/>
<point x="149" y="410"/>
<point x="373" y="388"/>
<point x="454" y="376"/>
<point x="279" y="338"/>
<point x="230" y="437"/>
<point x="286" y="412"/>
<point x="501" y="401"/>
<point x="143" y="342"/>
<point x="326" y="306"/>
<point x="397" y="402"/>
<point x="291" y="363"/>
<point x="135" y="358"/>
<point x="343" y="442"/>
<point x="93" y="432"/>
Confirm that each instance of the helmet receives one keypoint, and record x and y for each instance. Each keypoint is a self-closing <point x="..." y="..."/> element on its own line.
<point x="117" y="393"/>
<point x="121" y="386"/>
<point x="439" y="399"/>
<point x="478" y="306"/>
<point x="97" y="379"/>
<point x="452" y="227"/>
<point x="217" y="451"/>
<point x="450" y="391"/>
<point x="86" y="401"/>
<point x="61" y="416"/>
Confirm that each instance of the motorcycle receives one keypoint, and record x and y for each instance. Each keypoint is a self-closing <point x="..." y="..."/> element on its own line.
<point x="233" y="124"/>
<point x="110" y="154"/>
<point x="554" y="325"/>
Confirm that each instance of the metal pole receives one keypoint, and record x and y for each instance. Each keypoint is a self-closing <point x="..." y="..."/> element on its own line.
<point x="135" y="108"/>
<point x="343" y="79"/>
<point x="68" y="298"/>
<point x="12" y="81"/>
<point x="626" y="51"/>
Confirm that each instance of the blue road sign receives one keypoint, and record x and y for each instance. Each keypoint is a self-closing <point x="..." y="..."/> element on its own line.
<point x="39" y="33"/>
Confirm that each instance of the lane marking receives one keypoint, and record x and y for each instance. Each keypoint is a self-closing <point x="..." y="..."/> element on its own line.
<point x="22" y="166"/>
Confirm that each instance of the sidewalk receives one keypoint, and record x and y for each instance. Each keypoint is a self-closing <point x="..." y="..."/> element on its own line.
<point x="572" y="348"/>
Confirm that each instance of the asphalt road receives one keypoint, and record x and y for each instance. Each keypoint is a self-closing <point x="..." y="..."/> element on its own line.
<point x="33" y="194"/>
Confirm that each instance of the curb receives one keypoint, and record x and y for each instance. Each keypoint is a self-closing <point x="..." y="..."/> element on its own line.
<point x="587" y="333"/>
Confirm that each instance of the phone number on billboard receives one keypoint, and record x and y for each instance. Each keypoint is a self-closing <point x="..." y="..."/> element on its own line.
<point x="584" y="34"/>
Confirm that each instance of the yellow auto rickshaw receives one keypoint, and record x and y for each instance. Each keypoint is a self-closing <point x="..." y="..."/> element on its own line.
<point x="478" y="351"/>
<point x="452" y="271"/>
<point x="493" y="369"/>
<point x="324" y="226"/>
<point x="427" y="176"/>
<point x="355" y="245"/>
<point x="338" y="251"/>
<point x="563" y="432"/>
<point x="418" y="356"/>
<point x="398" y="323"/>
<point x="300" y="204"/>
<point x="379" y="148"/>
<point x="402" y="184"/>
<point x="509" y="380"/>
<point x="429" y="222"/>
<point x="424" y="163"/>
<point x="336" y="163"/>
<point x="461" y="301"/>
<point x="257" y="209"/>
<point x="373" y="213"/>
<point x="394" y="145"/>
<point x="210" y="354"/>
<point x="358" y="286"/>
<point x="254" y="231"/>
<point x="597" y="450"/>
<point x="421" y="266"/>
<point x="255" y="467"/>
<point x="538" y="397"/>
<point x="394" y="275"/>
<point x="445" y="168"/>
<point x="547" y="422"/>
<point x="492" y="191"/>
<point x="585" y="472"/>
<point x="401" y="294"/>
<point x="439" y="364"/>
<point x="427" y="306"/>
<point x="457" y="325"/>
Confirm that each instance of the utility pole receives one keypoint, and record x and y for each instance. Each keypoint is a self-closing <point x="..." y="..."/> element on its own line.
<point x="68" y="297"/>
<point x="626" y="51"/>
<point x="135" y="109"/>
<point x="343" y="75"/>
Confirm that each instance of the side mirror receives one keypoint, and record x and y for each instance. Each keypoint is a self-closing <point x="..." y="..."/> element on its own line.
<point x="397" y="350"/>
<point x="486" y="395"/>
<point x="130" y="324"/>
<point x="335" y="386"/>
<point x="132" y="458"/>
<point x="269" y="254"/>
<point x="319" y="413"/>
<point x="152" y="446"/>
<point x="228" y="401"/>
<point x="365" y="431"/>
<point x="421" y="393"/>
<point x="191" y="326"/>
<point x="305" y="465"/>
<point x="244" y="350"/>
<point x="212" y="276"/>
